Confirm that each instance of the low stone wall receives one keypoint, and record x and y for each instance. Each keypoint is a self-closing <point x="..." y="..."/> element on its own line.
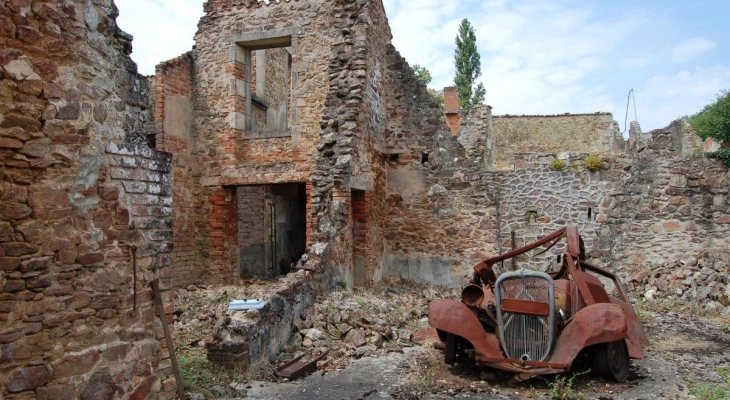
<point x="594" y="133"/>
<point x="244" y="336"/>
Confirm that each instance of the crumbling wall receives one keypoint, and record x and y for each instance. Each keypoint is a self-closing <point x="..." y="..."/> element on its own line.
<point x="659" y="216"/>
<point x="231" y="155"/>
<point x="671" y="206"/>
<point x="78" y="187"/>
<point x="440" y="215"/>
<point x="594" y="133"/>
<point x="173" y="92"/>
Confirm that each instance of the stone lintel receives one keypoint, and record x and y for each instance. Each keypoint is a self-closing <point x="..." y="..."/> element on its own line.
<point x="267" y="133"/>
<point x="361" y="184"/>
<point x="264" y="39"/>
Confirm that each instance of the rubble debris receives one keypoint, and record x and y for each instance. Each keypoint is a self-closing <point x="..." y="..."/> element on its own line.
<point x="347" y="324"/>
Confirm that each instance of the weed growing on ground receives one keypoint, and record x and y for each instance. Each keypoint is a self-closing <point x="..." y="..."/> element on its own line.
<point x="422" y="376"/>
<point x="713" y="390"/>
<point x="641" y="311"/>
<point x="200" y="376"/>
<point x="562" y="387"/>
<point x="194" y="371"/>
<point x="361" y="302"/>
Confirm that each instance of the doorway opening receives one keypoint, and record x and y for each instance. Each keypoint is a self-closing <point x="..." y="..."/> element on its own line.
<point x="360" y="235"/>
<point x="272" y="232"/>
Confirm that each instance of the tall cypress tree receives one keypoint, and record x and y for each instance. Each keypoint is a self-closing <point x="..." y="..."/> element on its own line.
<point x="468" y="67"/>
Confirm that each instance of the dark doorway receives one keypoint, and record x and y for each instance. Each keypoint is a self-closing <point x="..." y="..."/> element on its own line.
<point x="271" y="228"/>
<point x="360" y="222"/>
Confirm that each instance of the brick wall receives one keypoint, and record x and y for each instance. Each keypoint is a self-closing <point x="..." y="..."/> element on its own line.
<point x="173" y="93"/>
<point x="252" y="228"/>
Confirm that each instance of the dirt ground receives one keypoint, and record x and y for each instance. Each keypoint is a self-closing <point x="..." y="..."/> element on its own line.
<point x="688" y="356"/>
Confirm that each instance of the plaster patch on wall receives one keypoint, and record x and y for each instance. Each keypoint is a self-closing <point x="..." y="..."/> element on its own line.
<point x="419" y="268"/>
<point x="406" y="181"/>
<point x="88" y="176"/>
<point x="178" y="113"/>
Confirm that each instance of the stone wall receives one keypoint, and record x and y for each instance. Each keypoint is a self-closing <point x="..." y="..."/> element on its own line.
<point x="659" y="217"/>
<point x="594" y="133"/>
<point x="439" y="213"/>
<point x="78" y="187"/>
<point x="670" y="221"/>
<point x="535" y="200"/>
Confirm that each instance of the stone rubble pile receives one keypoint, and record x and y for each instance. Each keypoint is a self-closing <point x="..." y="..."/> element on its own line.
<point x="199" y="307"/>
<point x="346" y="323"/>
<point x="365" y="323"/>
<point x="702" y="281"/>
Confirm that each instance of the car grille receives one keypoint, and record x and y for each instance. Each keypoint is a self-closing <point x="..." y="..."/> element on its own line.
<point x="526" y="337"/>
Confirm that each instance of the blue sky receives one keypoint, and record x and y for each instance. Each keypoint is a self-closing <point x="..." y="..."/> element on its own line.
<point x="538" y="57"/>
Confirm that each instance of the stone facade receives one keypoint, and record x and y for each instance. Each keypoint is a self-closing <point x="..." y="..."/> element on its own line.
<point x="596" y="133"/>
<point x="79" y="188"/>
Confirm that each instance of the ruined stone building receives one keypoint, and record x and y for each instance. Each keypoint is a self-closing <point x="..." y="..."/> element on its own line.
<point x="293" y="135"/>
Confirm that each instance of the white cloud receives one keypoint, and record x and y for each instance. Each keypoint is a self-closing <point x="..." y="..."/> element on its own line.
<point x="691" y="49"/>
<point x="537" y="57"/>
<point x="162" y="29"/>
<point x="665" y="98"/>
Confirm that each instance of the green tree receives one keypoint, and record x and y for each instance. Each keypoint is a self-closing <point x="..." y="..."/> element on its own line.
<point x="423" y="74"/>
<point x="714" y="120"/>
<point x="438" y="97"/>
<point x="468" y="67"/>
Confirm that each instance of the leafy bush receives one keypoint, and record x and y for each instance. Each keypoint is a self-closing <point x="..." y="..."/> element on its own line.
<point x="722" y="154"/>
<point x="593" y="163"/>
<point x="557" y="165"/>
<point x="714" y="119"/>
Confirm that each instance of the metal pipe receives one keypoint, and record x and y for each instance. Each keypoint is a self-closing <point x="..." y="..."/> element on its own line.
<point x="133" y="252"/>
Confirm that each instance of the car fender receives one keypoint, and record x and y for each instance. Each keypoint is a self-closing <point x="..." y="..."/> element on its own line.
<point x="457" y="318"/>
<point x="594" y="324"/>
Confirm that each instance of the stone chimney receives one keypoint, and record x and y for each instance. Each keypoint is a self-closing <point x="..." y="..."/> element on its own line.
<point x="451" y="108"/>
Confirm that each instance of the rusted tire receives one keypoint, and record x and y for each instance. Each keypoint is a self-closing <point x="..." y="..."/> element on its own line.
<point x="612" y="360"/>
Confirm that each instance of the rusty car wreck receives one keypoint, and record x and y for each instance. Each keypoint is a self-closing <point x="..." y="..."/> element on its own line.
<point x="529" y="323"/>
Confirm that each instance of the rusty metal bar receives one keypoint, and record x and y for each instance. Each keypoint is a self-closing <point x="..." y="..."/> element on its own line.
<point x="512" y="253"/>
<point x="168" y="339"/>
<point x="295" y="369"/>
